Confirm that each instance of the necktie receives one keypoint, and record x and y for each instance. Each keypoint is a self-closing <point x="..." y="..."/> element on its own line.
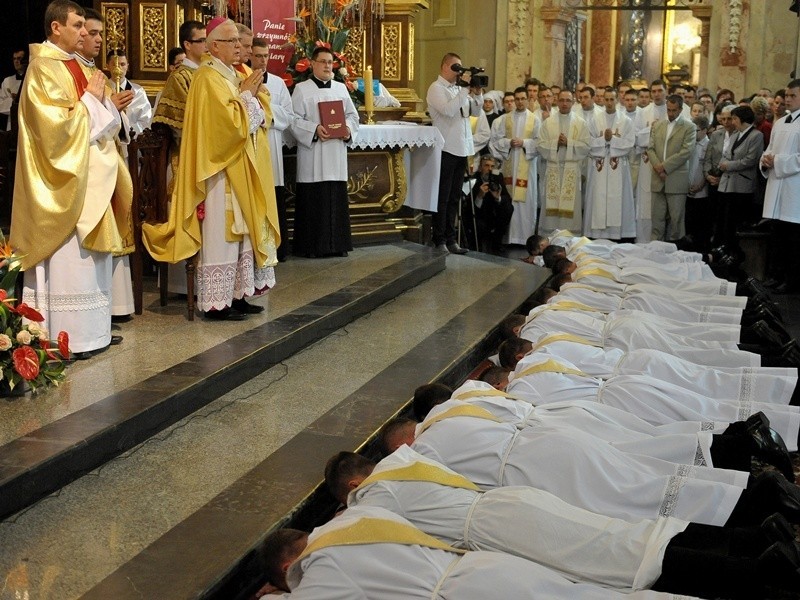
<point x="789" y="119"/>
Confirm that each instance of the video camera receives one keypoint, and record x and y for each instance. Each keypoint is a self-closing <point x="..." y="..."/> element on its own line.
<point x="476" y="80"/>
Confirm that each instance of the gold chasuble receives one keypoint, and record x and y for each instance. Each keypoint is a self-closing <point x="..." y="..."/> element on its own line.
<point x="520" y="179"/>
<point x="56" y="165"/>
<point x="172" y="105"/>
<point x="215" y="140"/>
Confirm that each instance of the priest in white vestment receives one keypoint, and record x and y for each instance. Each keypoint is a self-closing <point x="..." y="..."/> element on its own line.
<point x="68" y="171"/>
<point x="514" y="138"/>
<point x="564" y="144"/>
<point x="609" y="208"/>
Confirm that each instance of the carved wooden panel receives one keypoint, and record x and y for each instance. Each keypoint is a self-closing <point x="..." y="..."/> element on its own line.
<point x="411" y="51"/>
<point x="355" y="49"/>
<point x="391" y="43"/>
<point x="153" y="37"/>
<point x="116" y="20"/>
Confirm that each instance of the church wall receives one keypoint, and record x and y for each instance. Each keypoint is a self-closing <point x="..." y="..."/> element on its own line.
<point x="466" y="27"/>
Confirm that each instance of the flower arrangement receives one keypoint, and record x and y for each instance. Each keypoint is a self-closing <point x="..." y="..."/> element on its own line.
<point x="26" y="351"/>
<point x="324" y="23"/>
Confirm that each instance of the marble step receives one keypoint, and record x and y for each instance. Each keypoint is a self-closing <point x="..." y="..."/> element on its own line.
<point x="45" y="459"/>
<point x="211" y="552"/>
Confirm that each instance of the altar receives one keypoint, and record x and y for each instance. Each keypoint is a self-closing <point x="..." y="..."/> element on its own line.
<point x="391" y="165"/>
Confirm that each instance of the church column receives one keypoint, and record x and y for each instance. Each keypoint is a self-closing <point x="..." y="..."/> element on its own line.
<point x="732" y="70"/>
<point x="599" y="52"/>
<point x="555" y="19"/>
<point x="703" y="13"/>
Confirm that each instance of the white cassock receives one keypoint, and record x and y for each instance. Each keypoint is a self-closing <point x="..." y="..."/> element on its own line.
<point x="578" y="468"/>
<point x="644" y="121"/>
<point x="282" y="118"/>
<point x="649" y="303"/>
<point x="783" y="180"/>
<point x="520" y="166"/>
<point x="560" y="190"/>
<point x="744" y="384"/>
<point x="655" y="250"/>
<point x="395" y="571"/>
<point x="72" y="288"/>
<point x="628" y="333"/>
<point x="539" y="379"/>
<point x="524" y="522"/>
<point x="481" y="134"/>
<point x="609" y="210"/>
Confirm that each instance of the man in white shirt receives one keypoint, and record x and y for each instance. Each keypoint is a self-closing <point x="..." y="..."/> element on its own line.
<point x="450" y="105"/>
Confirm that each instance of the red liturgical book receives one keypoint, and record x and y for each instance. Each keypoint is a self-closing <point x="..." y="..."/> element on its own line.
<point x="331" y="116"/>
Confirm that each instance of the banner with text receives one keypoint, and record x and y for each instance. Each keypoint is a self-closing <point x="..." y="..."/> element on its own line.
<point x="272" y="22"/>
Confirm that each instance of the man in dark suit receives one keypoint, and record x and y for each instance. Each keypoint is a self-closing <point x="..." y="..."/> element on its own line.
<point x="739" y="167"/>
<point x="493" y="205"/>
<point x="671" y="145"/>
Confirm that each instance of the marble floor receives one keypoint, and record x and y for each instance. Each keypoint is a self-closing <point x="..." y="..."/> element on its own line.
<point x="65" y="544"/>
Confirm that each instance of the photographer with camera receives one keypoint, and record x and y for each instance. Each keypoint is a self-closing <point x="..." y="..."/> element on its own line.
<point x="450" y="106"/>
<point x="492" y="205"/>
<point x="514" y="139"/>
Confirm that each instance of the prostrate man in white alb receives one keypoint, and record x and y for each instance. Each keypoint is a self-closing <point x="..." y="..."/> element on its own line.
<point x="609" y="208"/>
<point x="450" y="105"/>
<point x="514" y="139"/>
<point x="538" y="526"/>
<point x="369" y="552"/>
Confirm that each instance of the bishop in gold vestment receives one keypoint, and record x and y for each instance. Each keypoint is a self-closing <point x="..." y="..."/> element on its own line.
<point x="68" y="176"/>
<point x="223" y="205"/>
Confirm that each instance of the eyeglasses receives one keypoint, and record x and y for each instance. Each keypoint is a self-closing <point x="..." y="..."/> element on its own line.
<point x="197" y="41"/>
<point x="324" y="62"/>
<point x="235" y="40"/>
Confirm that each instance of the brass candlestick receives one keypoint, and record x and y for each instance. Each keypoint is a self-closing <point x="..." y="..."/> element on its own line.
<point x="116" y="73"/>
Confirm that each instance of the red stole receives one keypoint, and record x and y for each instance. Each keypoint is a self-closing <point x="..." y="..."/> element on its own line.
<point x="77" y="75"/>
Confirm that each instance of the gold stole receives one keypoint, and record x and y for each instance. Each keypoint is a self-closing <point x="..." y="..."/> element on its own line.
<point x="589" y="271"/>
<point x="420" y="471"/>
<point x="561" y="179"/>
<point x="563" y="305"/>
<point x="579" y="244"/>
<point x="550" y="366"/>
<point x="562" y="337"/>
<point x="467" y="410"/>
<point x="481" y="393"/>
<point x="523" y="164"/>
<point x="375" y="531"/>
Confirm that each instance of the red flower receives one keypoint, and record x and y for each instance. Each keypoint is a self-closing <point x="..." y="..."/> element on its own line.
<point x="320" y="44"/>
<point x="29" y="312"/>
<point x="287" y="79"/>
<point x="302" y="65"/>
<point x="3" y="295"/>
<point x="45" y="345"/>
<point x="26" y="362"/>
<point x="63" y="343"/>
<point x="201" y="211"/>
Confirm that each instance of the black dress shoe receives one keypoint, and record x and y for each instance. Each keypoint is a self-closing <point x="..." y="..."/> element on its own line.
<point x="779" y="565"/>
<point x="82" y="355"/>
<point x="764" y="334"/>
<point x="768" y="446"/>
<point x="116" y="340"/>
<point x="226" y="314"/>
<point x="121" y="318"/>
<point x="245" y="308"/>
<point x="777" y="529"/>
<point x="754" y="284"/>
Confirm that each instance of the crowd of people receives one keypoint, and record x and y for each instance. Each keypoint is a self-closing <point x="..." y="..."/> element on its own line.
<point x="631" y="438"/>
<point x="665" y="162"/>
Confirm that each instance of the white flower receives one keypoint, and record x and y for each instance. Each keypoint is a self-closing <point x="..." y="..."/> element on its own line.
<point x="34" y="329"/>
<point x="24" y="337"/>
<point x="5" y="343"/>
<point x="44" y="335"/>
<point x="343" y="71"/>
